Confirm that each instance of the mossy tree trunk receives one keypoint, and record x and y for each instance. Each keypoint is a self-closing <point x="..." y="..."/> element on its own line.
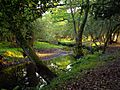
<point x="30" y="37"/>
<point x="78" y="47"/>
<point x="30" y="34"/>
<point x="41" y="68"/>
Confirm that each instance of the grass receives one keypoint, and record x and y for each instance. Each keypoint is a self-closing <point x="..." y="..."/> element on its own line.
<point x="60" y="64"/>
<point x="44" y="45"/>
<point x="6" y="46"/>
<point x="85" y="42"/>
<point x="79" y="68"/>
<point x="67" y="41"/>
<point x="7" y="49"/>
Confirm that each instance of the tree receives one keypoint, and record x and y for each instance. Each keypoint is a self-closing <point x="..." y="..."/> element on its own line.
<point x="109" y="10"/>
<point x="16" y="14"/>
<point x="81" y="29"/>
<point x="54" y="25"/>
<point x="82" y="9"/>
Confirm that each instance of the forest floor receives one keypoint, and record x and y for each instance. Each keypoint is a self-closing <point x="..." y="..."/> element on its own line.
<point x="105" y="77"/>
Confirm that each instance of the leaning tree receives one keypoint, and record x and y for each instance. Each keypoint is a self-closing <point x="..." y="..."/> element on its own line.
<point x="16" y="14"/>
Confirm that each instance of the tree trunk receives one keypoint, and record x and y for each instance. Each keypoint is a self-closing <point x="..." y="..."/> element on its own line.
<point x="29" y="34"/>
<point x="41" y="68"/>
<point x="108" y="36"/>
<point x="117" y="36"/>
<point x="110" y="39"/>
<point x="73" y="20"/>
<point x="79" y="51"/>
<point x="106" y="42"/>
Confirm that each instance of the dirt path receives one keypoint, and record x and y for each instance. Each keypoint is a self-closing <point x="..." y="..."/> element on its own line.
<point x="103" y="78"/>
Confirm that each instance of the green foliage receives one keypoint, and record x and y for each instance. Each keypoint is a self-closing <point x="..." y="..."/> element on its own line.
<point x="106" y="8"/>
<point x="85" y="52"/>
<point x="59" y="14"/>
<point x="4" y="44"/>
<point x="7" y="46"/>
<point x="56" y="24"/>
<point x="53" y="25"/>
<point x="5" y="35"/>
<point x="58" y="65"/>
<point x="19" y="14"/>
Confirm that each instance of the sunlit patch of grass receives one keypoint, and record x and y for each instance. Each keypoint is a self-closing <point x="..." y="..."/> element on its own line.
<point x="44" y="45"/>
<point x="98" y="43"/>
<point x="61" y="23"/>
<point x="67" y="41"/>
<point x="63" y="64"/>
<point x="9" y="52"/>
<point x="60" y="64"/>
<point x="13" y="54"/>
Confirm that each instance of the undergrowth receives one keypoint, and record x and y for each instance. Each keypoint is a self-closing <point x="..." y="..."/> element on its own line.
<point x="79" y="68"/>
